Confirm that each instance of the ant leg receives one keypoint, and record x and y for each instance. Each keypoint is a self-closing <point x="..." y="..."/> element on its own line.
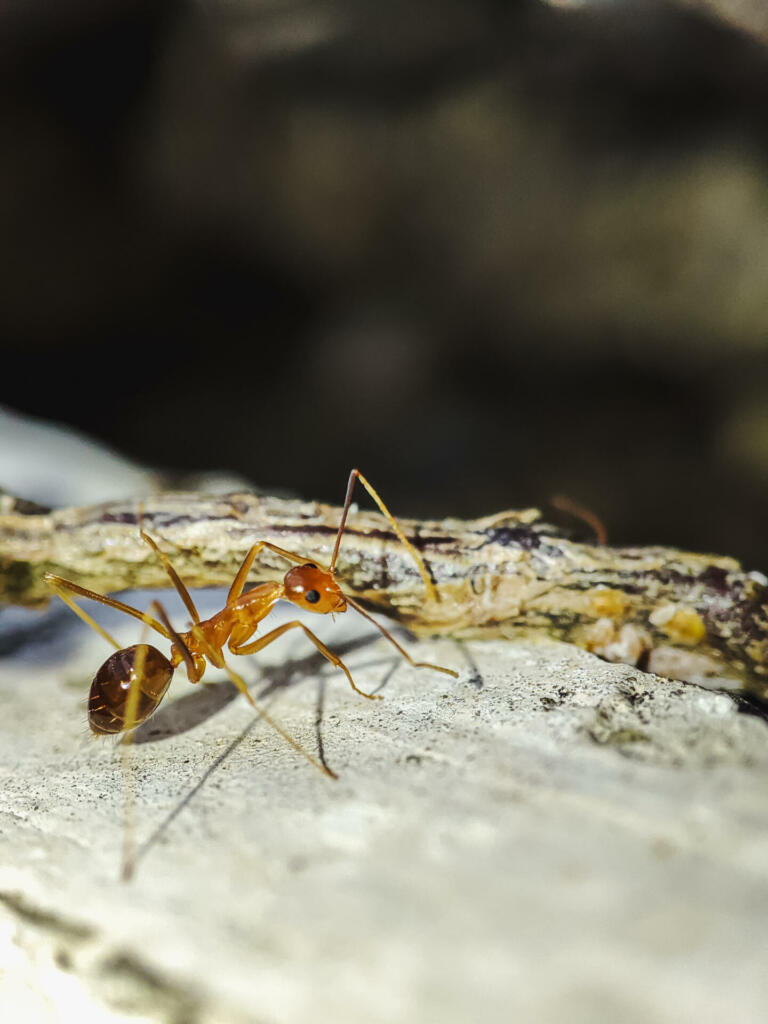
<point x="217" y="658"/>
<point x="354" y="476"/>
<point x="181" y="590"/>
<point x="242" y="573"/>
<point x="60" y="586"/>
<point x="71" y="603"/>
<point x="334" y="659"/>
<point x="384" y="632"/>
<point x="195" y="671"/>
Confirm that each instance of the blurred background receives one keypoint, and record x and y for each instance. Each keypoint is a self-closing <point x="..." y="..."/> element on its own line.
<point x="487" y="251"/>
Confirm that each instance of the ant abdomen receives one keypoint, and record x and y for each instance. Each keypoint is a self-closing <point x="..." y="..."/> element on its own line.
<point x="142" y="666"/>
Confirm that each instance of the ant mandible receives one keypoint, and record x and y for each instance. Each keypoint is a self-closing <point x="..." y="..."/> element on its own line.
<point x="132" y="682"/>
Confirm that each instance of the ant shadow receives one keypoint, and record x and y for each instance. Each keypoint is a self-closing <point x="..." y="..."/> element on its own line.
<point x="186" y="713"/>
<point x="193" y="709"/>
<point x="475" y="677"/>
<point x="208" y="699"/>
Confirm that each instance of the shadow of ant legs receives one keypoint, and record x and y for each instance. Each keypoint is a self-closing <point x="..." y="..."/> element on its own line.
<point x="195" y="708"/>
<point x="314" y="664"/>
<point x="143" y="848"/>
<point x="319" y="709"/>
<point x="476" y="678"/>
<point x="207" y="699"/>
<point x="204" y="706"/>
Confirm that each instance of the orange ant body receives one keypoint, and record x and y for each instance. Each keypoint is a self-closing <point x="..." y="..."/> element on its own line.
<point x="132" y="682"/>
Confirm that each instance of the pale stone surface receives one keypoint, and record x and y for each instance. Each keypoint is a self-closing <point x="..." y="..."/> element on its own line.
<point x="547" y="838"/>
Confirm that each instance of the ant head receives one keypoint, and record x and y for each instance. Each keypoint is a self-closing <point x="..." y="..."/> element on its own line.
<point x="314" y="589"/>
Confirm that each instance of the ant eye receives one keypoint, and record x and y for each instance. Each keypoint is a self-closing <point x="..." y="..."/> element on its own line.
<point x="312" y="596"/>
<point x="310" y="565"/>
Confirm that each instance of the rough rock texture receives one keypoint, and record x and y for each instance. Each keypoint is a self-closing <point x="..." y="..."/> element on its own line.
<point x="547" y="838"/>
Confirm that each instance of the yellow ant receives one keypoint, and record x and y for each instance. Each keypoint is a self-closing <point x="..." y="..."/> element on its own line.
<point x="132" y="682"/>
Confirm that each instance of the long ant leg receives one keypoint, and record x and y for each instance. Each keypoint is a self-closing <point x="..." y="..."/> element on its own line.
<point x="194" y="673"/>
<point x="61" y="586"/>
<point x="215" y="656"/>
<point x="416" y="664"/>
<point x="181" y="590"/>
<point x="326" y="652"/>
<point x="135" y="672"/>
<point x="132" y="682"/>
<point x="217" y="659"/>
<point x="145" y="673"/>
<point x="242" y="575"/>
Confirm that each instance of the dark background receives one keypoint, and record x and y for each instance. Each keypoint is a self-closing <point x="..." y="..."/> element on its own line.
<point x="488" y="252"/>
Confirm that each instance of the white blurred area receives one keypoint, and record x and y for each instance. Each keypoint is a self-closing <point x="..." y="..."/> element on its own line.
<point x="54" y="465"/>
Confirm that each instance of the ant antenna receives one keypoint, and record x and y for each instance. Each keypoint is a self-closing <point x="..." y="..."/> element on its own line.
<point x="586" y="515"/>
<point x="354" y="476"/>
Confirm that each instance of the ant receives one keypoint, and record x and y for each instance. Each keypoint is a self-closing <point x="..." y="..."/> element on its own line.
<point x="132" y="682"/>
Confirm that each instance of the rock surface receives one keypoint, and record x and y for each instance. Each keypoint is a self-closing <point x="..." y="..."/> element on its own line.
<point x="547" y="838"/>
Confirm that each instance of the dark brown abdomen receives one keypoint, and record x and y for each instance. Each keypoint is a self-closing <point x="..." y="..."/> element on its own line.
<point x="142" y="666"/>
